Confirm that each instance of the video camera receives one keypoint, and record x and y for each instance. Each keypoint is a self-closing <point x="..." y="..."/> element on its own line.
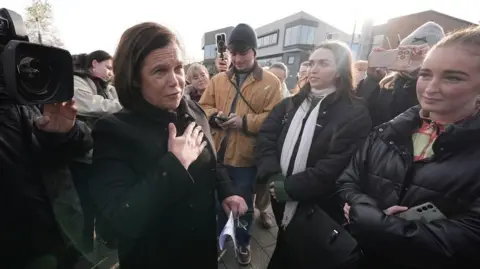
<point x="31" y="73"/>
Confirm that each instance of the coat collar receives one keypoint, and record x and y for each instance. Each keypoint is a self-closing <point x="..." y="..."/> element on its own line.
<point x="161" y="115"/>
<point x="257" y="72"/>
<point x="399" y="131"/>
<point x="329" y="100"/>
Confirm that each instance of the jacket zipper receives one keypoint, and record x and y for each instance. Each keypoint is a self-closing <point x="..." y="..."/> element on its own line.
<point x="407" y="179"/>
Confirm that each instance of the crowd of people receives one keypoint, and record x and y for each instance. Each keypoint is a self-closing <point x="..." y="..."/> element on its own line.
<point x="148" y="161"/>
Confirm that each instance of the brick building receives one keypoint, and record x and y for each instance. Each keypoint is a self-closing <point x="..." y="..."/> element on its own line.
<point x="388" y="35"/>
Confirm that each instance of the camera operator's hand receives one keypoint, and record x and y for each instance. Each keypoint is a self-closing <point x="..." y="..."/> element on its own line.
<point x="222" y="65"/>
<point x="376" y="73"/>
<point x="57" y="118"/>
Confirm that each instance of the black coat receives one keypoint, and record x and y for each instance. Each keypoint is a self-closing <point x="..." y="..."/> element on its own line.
<point x="163" y="215"/>
<point x="33" y="171"/>
<point x="383" y="174"/>
<point x="386" y="104"/>
<point x="342" y="125"/>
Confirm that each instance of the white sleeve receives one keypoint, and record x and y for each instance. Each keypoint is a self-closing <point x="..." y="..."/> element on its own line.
<point x="285" y="91"/>
<point x="90" y="104"/>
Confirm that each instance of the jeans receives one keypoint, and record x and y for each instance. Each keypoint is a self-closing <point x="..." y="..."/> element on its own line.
<point x="262" y="200"/>
<point x="244" y="178"/>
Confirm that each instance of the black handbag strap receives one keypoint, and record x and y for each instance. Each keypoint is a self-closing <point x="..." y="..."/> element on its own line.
<point x="239" y="92"/>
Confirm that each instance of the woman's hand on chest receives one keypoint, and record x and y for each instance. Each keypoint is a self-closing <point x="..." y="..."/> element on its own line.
<point x="188" y="146"/>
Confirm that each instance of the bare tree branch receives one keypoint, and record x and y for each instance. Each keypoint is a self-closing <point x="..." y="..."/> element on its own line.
<point x="39" y="22"/>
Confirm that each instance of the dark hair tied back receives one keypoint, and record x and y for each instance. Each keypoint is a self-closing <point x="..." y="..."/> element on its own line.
<point x="99" y="56"/>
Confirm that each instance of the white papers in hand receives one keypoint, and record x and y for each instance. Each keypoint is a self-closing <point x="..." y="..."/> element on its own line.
<point x="229" y="230"/>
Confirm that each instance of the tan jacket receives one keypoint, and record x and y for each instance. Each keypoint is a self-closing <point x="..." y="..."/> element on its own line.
<point x="262" y="90"/>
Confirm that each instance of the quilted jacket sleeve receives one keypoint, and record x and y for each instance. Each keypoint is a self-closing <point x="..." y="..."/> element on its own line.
<point x="266" y="152"/>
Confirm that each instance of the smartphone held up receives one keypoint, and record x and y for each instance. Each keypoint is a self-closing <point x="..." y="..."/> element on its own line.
<point x="401" y="59"/>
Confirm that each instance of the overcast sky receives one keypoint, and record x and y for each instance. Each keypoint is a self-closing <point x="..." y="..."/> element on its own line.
<point x="87" y="25"/>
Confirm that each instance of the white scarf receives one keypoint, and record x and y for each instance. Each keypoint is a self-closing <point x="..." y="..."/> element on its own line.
<point x="285" y="91"/>
<point x="293" y="133"/>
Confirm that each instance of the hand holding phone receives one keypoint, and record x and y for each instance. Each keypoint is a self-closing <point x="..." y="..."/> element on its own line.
<point x="406" y="59"/>
<point x="426" y="212"/>
<point x="222" y="118"/>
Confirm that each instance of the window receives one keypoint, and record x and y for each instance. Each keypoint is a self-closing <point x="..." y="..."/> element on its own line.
<point x="269" y="61"/>
<point x="268" y="40"/>
<point x="210" y="51"/>
<point x="274" y="38"/>
<point x="300" y="35"/>
<point x="377" y="41"/>
<point x="291" y="60"/>
<point x="310" y="35"/>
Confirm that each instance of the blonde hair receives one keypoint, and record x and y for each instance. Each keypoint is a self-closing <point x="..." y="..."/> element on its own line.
<point x="388" y="82"/>
<point x="194" y="69"/>
<point x="361" y="64"/>
<point x="469" y="36"/>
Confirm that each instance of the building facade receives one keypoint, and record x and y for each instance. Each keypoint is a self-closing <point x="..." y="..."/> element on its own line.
<point x="289" y="40"/>
<point x="209" y="47"/>
<point x="389" y="35"/>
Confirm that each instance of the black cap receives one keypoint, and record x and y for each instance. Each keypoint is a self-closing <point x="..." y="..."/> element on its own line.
<point x="242" y="38"/>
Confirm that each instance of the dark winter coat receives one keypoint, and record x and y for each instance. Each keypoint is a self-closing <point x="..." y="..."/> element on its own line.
<point x="383" y="174"/>
<point x="41" y="212"/>
<point x="162" y="214"/>
<point x="386" y="104"/>
<point x="341" y="127"/>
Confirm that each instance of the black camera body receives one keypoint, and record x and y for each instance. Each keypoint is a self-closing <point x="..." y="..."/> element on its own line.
<point x="221" y="44"/>
<point x="32" y="73"/>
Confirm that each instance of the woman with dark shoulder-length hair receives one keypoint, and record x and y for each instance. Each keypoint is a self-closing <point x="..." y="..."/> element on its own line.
<point x="94" y="96"/>
<point x="154" y="168"/>
<point x="307" y="141"/>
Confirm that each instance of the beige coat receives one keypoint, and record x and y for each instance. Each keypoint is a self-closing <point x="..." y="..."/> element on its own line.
<point x="89" y="103"/>
<point x="262" y="90"/>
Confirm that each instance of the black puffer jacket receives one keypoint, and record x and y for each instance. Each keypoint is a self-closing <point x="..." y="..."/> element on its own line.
<point x="342" y="125"/>
<point x="383" y="174"/>
<point x="386" y="104"/>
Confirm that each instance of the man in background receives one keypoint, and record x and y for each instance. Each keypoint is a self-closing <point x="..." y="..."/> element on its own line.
<point x="237" y="102"/>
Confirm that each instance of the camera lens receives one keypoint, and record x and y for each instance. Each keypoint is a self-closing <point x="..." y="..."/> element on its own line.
<point x="34" y="76"/>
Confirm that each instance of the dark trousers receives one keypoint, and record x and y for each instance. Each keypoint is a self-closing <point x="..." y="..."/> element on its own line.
<point x="280" y="258"/>
<point x="244" y="178"/>
<point x="81" y="173"/>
